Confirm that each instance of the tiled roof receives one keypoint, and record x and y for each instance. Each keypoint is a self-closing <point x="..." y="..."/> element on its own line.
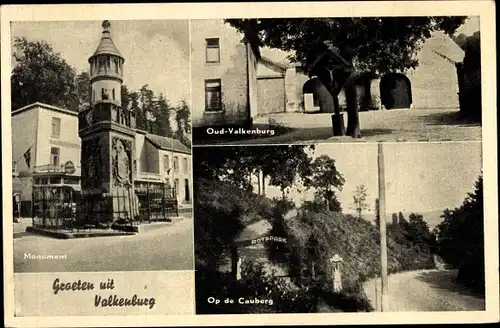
<point x="169" y="144"/>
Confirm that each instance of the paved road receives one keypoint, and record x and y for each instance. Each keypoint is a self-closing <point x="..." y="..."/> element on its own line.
<point x="389" y="125"/>
<point x="428" y="290"/>
<point x="166" y="248"/>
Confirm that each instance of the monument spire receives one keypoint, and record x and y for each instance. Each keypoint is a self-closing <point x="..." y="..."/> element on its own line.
<point x="107" y="131"/>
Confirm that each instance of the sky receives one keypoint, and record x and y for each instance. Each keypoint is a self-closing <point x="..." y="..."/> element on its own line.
<point x="420" y="177"/>
<point x="156" y="51"/>
<point x="424" y="177"/>
<point x="470" y="26"/>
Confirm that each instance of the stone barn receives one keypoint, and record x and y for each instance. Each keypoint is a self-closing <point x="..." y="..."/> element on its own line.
<point x="432" y="84"/>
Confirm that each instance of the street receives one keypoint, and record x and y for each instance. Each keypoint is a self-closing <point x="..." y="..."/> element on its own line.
<point x="166" y="248"/>
<point x="386" y="125"/>
<point x="427" y="290"/>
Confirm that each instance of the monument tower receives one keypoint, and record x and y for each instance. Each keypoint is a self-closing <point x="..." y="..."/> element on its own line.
<point x="107" y="133"/>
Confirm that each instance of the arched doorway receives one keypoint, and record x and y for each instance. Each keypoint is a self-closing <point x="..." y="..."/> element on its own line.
<point x="395" y="91"/>
<point x="321" y="96"/>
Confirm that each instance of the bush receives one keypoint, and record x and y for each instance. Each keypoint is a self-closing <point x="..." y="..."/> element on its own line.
<point x="278" y="293"/>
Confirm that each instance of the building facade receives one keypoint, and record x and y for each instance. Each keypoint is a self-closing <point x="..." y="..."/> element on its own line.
<point x="432" y="84"/>
<point x="222" y="75"/>
<point x="233" y="82"/>
<point x="46" y="151"/>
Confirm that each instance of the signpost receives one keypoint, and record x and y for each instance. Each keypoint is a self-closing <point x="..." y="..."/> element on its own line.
<point x="383" y="229"/>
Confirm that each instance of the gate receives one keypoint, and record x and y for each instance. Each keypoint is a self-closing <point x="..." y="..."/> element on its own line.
<point x="53" y="207"/>
<point x="156" y="203"/>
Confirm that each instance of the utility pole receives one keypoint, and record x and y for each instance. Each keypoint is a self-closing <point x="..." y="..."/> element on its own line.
<point x="383" y="229"/>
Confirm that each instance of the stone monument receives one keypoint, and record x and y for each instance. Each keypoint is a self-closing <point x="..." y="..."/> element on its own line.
<point x="107" y="132"/>
<point x="336" y="261"/>
<point x="238" y="268"/>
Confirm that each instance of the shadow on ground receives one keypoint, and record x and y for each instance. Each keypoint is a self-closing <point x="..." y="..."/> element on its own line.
<point x="449" y="118"/>
<point x="446" y="280"/>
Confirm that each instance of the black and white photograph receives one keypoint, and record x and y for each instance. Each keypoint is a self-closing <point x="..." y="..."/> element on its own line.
<point x="202" y="164"/>
<point x="338" y="79"/>
<point x="101" y="146"/>
<point x="297" y="228"/>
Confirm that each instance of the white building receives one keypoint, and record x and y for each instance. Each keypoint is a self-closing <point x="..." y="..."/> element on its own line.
<point x="46" y="148"/>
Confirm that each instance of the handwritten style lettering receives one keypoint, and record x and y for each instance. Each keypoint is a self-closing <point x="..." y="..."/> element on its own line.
<point x="114" y="300"/>
<point x="58" y="286"/>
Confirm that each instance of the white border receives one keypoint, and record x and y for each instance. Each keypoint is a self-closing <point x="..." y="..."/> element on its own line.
<point x="485" y="9"/>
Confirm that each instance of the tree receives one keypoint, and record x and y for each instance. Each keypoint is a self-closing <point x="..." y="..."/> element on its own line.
<point x="161" y="113"/>
<point x="460" y="238"/>
<point x="325" y="178"/>
<point x="401" y="219"/>
<point x="125" y="96"/>
<point x="83" y="90"/>
<point x="368" y="44"/>
<point x="281" y="166"/>
<point x="418" y="232"/>
<point x="41" y="75"/>
<point x="182" y="115"/>
<point x="146" y="103"/>
<point x="360" y="203"/>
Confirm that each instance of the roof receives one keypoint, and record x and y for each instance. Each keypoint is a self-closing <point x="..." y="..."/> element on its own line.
<point x="169" y="144"/>
<point x="445" y="47"/>
<point x="273" y="63"/>
<point x="106" y="45"/>
<point x="45" y="106"/>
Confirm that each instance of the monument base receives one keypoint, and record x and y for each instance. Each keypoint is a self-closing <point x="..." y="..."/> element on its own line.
<point x="125" y="203"/>
<point x="338" y="124"/>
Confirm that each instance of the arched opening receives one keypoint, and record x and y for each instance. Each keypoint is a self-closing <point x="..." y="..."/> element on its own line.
<point x="395" y="91"/>
<point x="322" y="98"/>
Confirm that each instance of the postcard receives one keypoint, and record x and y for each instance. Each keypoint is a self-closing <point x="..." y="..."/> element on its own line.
<point x="260" y="163"/>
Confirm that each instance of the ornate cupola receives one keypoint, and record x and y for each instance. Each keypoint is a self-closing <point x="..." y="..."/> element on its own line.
<point x="107" y="132"/>
<point x="106" y="69"/>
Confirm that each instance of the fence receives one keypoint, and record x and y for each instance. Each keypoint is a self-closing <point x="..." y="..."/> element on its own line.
<point x="156" y="202"/>
<point x="53" y="207"/>
<point x="63" y="208"/>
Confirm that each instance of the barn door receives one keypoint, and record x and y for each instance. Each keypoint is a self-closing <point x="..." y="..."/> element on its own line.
<point x="271" y="95"/>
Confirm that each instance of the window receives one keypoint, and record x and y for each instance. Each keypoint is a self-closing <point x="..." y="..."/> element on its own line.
<point x="56" y="127"/>
<point x="113" y="94"/>
<point x="176" y="164"/>
<point x="213" y="50"/>
<point x="176" y="187"/>
<point x="54" y="156"/>
<point x="185" y="165"/>
<point x="166" y="163"/>
<point x="213" y="95"/>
